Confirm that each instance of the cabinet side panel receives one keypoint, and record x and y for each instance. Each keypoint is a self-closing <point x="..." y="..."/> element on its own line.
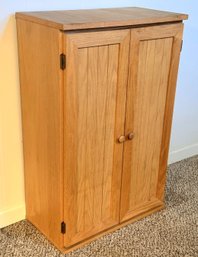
<point x="41" y="97"/>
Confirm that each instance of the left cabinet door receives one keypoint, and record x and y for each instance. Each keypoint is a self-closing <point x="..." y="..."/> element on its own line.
<point x="94" y="111"/>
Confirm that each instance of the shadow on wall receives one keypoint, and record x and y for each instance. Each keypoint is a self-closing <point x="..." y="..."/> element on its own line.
<point x="11" y="159"/>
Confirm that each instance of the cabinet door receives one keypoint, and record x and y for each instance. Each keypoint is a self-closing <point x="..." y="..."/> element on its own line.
<point x="154" y="57"/>
<point x="95" y="91"/>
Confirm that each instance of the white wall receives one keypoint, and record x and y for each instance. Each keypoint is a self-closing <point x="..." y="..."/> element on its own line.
<point x="184" y="142"/>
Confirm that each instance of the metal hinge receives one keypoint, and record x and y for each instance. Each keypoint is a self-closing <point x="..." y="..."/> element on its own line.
<point x="62" y="61"/>
<point x="181" y="45"/>
<point x="63" y="227"/>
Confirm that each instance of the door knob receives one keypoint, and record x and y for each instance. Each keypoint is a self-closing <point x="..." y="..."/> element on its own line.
<point x="121" y="139"/>
<point x="130" y="136"/>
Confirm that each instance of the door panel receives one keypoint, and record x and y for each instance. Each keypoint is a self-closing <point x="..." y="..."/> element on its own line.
<point x="152" y="74"/>
<point x="95" y="91"/>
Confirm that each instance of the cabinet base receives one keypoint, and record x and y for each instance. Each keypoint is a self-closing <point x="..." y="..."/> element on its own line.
<point x="112" y="229"/>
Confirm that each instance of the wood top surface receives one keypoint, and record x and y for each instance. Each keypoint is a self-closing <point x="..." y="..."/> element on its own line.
<point x="100" y="18"/>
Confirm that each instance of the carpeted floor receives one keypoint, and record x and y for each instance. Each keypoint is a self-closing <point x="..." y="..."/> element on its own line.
<point x="172" y="232"/>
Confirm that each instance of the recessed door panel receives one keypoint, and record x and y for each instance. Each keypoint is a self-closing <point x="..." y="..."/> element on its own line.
<point x="95" y="91"/>
<point x="154" y="57"/>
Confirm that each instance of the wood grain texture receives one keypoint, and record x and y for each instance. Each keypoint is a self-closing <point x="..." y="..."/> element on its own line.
<point x="95" y="91"/>
<point x="100" y="18"/>
<point x="150" y="68"/>
<point x="176" y="49"/>
<point x="139" y="216"/>
<point x="42" y="116"/>
<point x="116" y="82"/>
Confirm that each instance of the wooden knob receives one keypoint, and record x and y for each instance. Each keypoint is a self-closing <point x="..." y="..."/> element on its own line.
<point x="121" y="139"/>
<point x="130" y="136"/>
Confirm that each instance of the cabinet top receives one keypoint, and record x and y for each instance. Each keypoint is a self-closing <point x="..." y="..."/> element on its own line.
<point x="100" y="18"/>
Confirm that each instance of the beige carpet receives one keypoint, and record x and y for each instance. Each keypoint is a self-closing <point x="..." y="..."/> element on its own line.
<point x="169" y="233"/>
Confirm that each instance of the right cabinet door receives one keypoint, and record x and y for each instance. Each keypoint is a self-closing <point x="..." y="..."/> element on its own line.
<point x="154" y="58"/>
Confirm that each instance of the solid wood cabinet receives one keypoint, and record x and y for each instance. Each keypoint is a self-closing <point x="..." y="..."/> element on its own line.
<point x="97" y="91"/>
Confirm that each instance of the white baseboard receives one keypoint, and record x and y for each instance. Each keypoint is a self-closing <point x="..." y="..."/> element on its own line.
<point x="183" y="153"/>
<point x="12" y="215"/>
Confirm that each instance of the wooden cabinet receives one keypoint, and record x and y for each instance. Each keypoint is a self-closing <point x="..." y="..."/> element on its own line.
<point x="97" y="91"/>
